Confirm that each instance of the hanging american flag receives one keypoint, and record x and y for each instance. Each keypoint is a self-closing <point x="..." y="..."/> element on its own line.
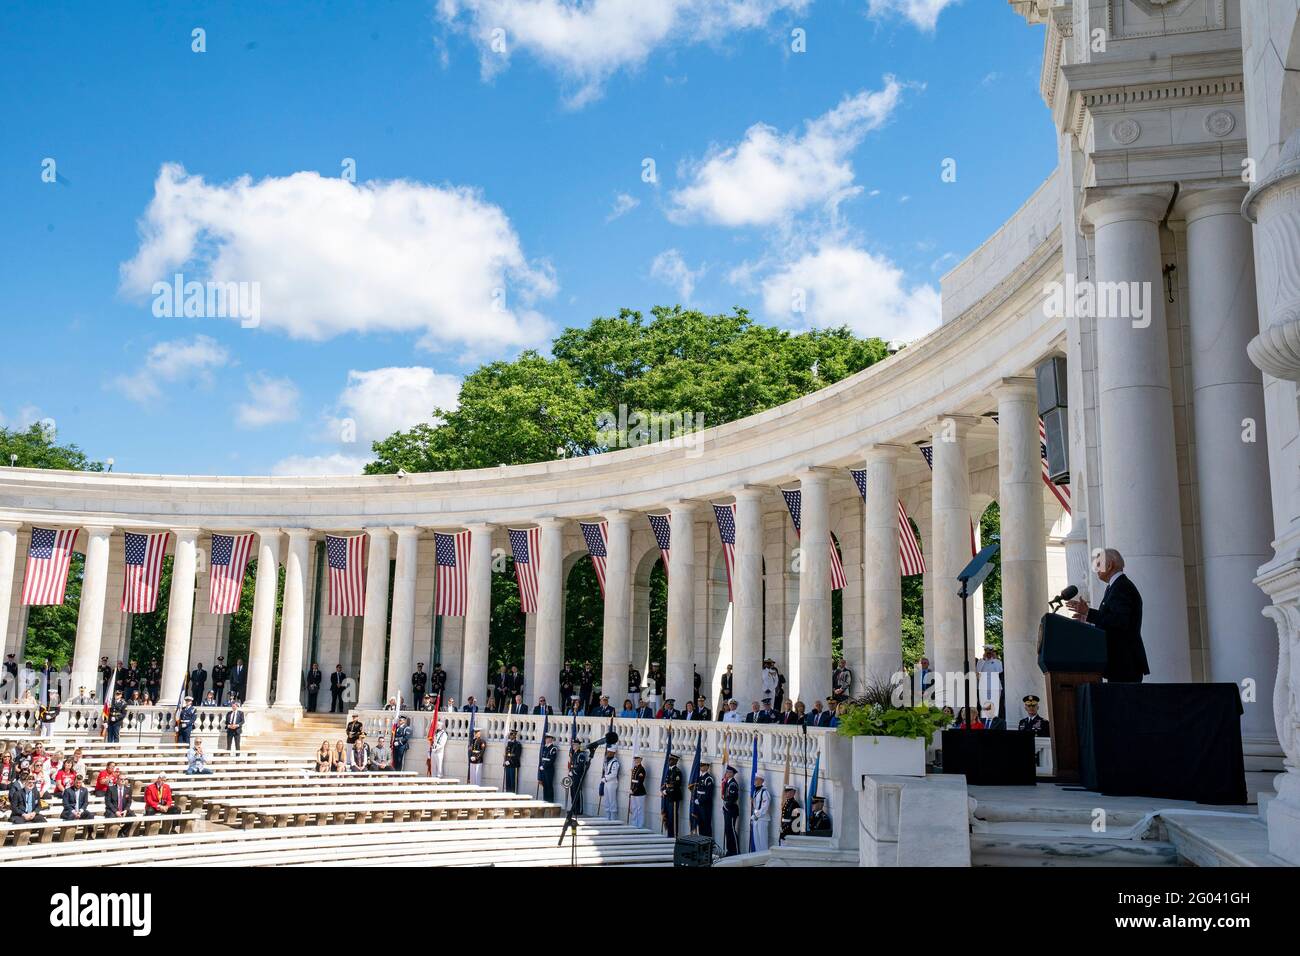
<point x="144" y="557"/>
<point x="226" y="582"/>
<point x="910" y="559"/>
<point x="48" y="556"/>
<point x="451" y="555"/>
<point x="794" y="502"/>
<point x="927" y="450"/>
<point x="661" y="525"/>
<point x="596" y="534"/>
<point x="526" y="546"/>
<point x="726" y="516"/>
<point x="347" y="580"/>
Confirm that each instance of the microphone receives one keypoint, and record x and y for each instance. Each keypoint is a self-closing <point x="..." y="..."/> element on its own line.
<point x="609" y="740"/>
<point x="1068" y="594"/>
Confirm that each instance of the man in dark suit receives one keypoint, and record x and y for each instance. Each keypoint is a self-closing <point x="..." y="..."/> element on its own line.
<point x="198" y="681"/>
<point x="238" y="679"/>
<point x="1120" y="616"/>
<point x="542" y="707"/>
<point x="25" y="802"/>
<point x="117" y="799"/>
<point x="76" y="802"/>
<point x="234" y="726"/>
<point x="337" y="681"/>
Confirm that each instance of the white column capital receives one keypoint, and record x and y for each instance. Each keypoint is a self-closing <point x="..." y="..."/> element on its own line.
<point x="297" y="534"/>
<point x="10" y="525"/>
<point x="479" y="527"/>
<point x="407" y="531"/>
<point x="99" y="530"/>
<point x="549" y="521"/>
<point x="269" y="534"/>
<point x="187" y="534"/>
<point x="815" y="473"/>
<point x="962" y="423"/>
<point x="1108" y="204"/>
<point x="685" y="506"/>
<point x="1014" y="386"/>
<point x="882" y="451"/>
<point x="618" y="515"/>
<point x="374" y="530"/>
<point x="751" y="492"/>
<point x="1220" y="200"/>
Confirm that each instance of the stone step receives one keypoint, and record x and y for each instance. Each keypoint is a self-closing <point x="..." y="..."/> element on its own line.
<point x="1030" y="847"/>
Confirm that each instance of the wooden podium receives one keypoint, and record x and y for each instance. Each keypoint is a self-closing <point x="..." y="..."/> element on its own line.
<point x="1071" y="654"/>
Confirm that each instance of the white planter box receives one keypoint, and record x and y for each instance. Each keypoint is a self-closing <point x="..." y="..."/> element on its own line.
<point x="896" y="756"/>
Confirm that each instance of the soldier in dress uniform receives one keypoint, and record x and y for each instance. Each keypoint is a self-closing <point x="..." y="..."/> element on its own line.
<point x="105" y="675"/>
<point x="670" y="795"/>
<point x="609" y="783"/>
<point x="636" y="795"/>
<point x="220" y="674"/>
<point x="116" y="714"/>
<point x="354" y="729"/>
<point x="603" y="709"/>
<point x="634" y="685"/>
<point x="790" y="814"/>
<point x="132" y="678"/>
<point x="730" y="812"/>
<point x="546" y="768"/>
<point x="437" y="680"/>
<point x="401" y="741"/>
<point x="477" y="750"/>
<point x="1041" y="726"/>
<point x="577" y="769"/>
<point x="152" y="679"/>
<point x="670" y="711"/>
<point x="760" y="816"/>
<point x="702" y="800"/>
<point x="185" y="721"/>
<point x="419" y="681"/>
<point x="514" y="755"/>
<point x="819" y="821"/>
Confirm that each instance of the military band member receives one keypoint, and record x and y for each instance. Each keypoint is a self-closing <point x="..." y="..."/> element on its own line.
<point x="419" y="681"/>
<point x="702" y="800"/>
<point x="760" y="816"/>
<point x="670" y="795"/>
<point x="819" y="821"/>
<point x="185" y="721"/>
<point x="477" y="751"/>
<point x="401" y="741"/>
<point x="609" y="783"/>
<point x="514" y="755"/>
<point x="546" y="768"/>
<point x="221" y="674"/>
<point x="636" y="795"/>
<point x="1040" y="725"/>
<point x="790" y="814"/>
<point x="354" y="729"/>
<point x="730" y="812"/>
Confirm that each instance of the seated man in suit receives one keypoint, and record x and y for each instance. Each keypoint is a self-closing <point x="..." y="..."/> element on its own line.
<point x="158" y="797"/>
<point x="117" y="798"/>
<point x="1120" y="616"/>
<point x="25" y="801"/>
<point x="76" y="802"/>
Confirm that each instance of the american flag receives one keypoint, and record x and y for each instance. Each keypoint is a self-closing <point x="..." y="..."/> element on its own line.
<point x="452" y="559"/>
<point x="927" y="450"/>
<point x="48" y="556"/>
<point x="1062" y="492"/>
<point x="226" y="583"/>
<point x="347" y="581"/>
<point x="144" y="557"/>
<point x="661" y="525"/>
<point x="596" y="534"/>
<point x="526" y="546"/>
<point x="794" y="501"/>
<point x="726" y="517"/>
<point x="910" y="559"/>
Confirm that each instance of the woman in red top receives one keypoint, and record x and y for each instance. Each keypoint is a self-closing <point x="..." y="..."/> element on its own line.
<point x="105" y="778"/>
<point x="64" y="777"/>
<point x="6" y="769"/>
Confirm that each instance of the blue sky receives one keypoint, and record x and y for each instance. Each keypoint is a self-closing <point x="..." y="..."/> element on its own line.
<point x="499" y="194"/>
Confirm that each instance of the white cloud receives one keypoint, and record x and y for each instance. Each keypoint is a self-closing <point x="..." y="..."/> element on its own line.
<point x="384" y="400"/>
<point x="271" y="401"/>
<point x="181" y="360"/>
<point x="924" y="14"/>
<point x="332" y="257"/>
<point x="309" y="465"/>
<point x="843" y="284"/>
<point x="589" y="42"/>
<point x="27" y="416"/>
<point x="770" y="176"/>
<point x="623" y="204"/>
<point x="671" y="268"/>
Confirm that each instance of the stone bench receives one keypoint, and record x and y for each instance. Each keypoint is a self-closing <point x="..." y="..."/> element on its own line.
<point x="63" y="831"/>
<point x="215" y="800"/>
<point x="325" y="812"/>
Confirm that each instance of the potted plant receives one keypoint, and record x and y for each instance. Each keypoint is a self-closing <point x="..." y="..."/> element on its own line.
<point x="890" y="740"/>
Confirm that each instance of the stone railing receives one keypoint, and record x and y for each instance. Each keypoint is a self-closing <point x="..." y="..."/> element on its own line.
<point x="87" y="720"/>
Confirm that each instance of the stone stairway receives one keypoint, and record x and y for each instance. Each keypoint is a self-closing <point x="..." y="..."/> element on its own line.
<point x="1016" y="834"/>
<point x="301" y="740"/>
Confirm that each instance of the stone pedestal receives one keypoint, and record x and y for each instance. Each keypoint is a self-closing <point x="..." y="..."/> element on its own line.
<point x="913" y="821"/>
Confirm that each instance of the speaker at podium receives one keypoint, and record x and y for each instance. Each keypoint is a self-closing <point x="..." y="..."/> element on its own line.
<point x="1071" y="655"/>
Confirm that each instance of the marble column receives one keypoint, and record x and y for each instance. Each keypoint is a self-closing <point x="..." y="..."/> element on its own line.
<point x="1231" y="464"/>
<point x="374" y="623"/>
<point x="548" y="645"/>
<point x="882" y="582"/>
<point x="1140" y="490"/>
<point x="616" y="647"/>
<point x="747" y="598"/>
<point x="478" y="614"/>
<point x="1024" y="549"/>
<point x="681" y="604"/>
<point x="180" y="614"/>
<point x="8" y="560"/>
<point x="813" y="679"/>
<point x="401" y="639"/>
<point x="950" y="507"/>
<point x="90" y="614"/>
<point x="293" y="621"/>
<point x="265" y="588"/>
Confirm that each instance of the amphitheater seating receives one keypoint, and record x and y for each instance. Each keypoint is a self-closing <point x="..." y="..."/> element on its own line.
<point x="63" y="831"/>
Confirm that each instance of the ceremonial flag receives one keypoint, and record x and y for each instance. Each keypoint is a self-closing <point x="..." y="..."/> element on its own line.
<point x="910" y="559"/>
<point x="662" y="527"/>
<point x="753" y="786"/>
<point x="794" y="502"/>
<point x="596" y="534"/>
<point x="695" y="776"/>
<point x="144" y="556"/>
<point x="726" y="517"/>
<point x="812" y="787"/>
<point x="546" y="729"/>
<point x="526" y="546"/>
<point x="108" y="694"/>
<point x="228" y="561"/>
<point x="663" y="779"/>
<point x="451" y="556"/>
<point x="469" y="742"/>
<point x="433" y="729"/>
<point x="48" y="557"/>
<point x="347" y="578"/>
<point x="927" y="452"/>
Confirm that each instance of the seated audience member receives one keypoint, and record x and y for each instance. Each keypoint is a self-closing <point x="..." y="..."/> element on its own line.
<point x="627" y="710"/>
<point x="702" y="711"/>
<point x="324" y="757"/>
<point x="965" y="723"/>
<point x="25" y="802"/>
<point x="381" y="755"/>
<point x="196" y="761"/>
<point x="819" y="821"/>
<point x="117" y="798"/>
<point x="339" y="758"/>
<point x="7" y="769"/>
<point x="76" y="801"/>
<point x="104" y="779"/>
<point x="64" y="777"/>
<point x="990" y="718"/>
<point x="689" y="712"/>
<point x="79" y="764"/>
<point x="158" y="797"/>
<point x="732" y="714"/>
<point x="359" y="756"/>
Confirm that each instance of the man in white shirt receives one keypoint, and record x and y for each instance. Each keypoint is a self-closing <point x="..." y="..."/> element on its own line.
<point x="732" y="714"/>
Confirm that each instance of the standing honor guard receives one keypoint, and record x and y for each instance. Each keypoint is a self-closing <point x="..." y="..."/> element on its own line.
<point x="185" y="721"/>
<point x="636" y="795"/>
<point x="436" y="752"/>
<point x="702" y="800"/>
<point x="730" y="812"/>
<point x="220" y="674"/>
<point x="670" y="795"/>
<point x="153" y="680"/>
<point x="790" y="814"/>
<point x="609" y="783"/>
<point x="634" y="685"/>
<point x="477" y="750"/>
<point x="401" y="741"/>
<point x="546" y="768"/>
<point x="419" y="681"/>
<point x="760" y="816"/>
<point x="514" y="755"/>
<point x="116" y="714"/>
